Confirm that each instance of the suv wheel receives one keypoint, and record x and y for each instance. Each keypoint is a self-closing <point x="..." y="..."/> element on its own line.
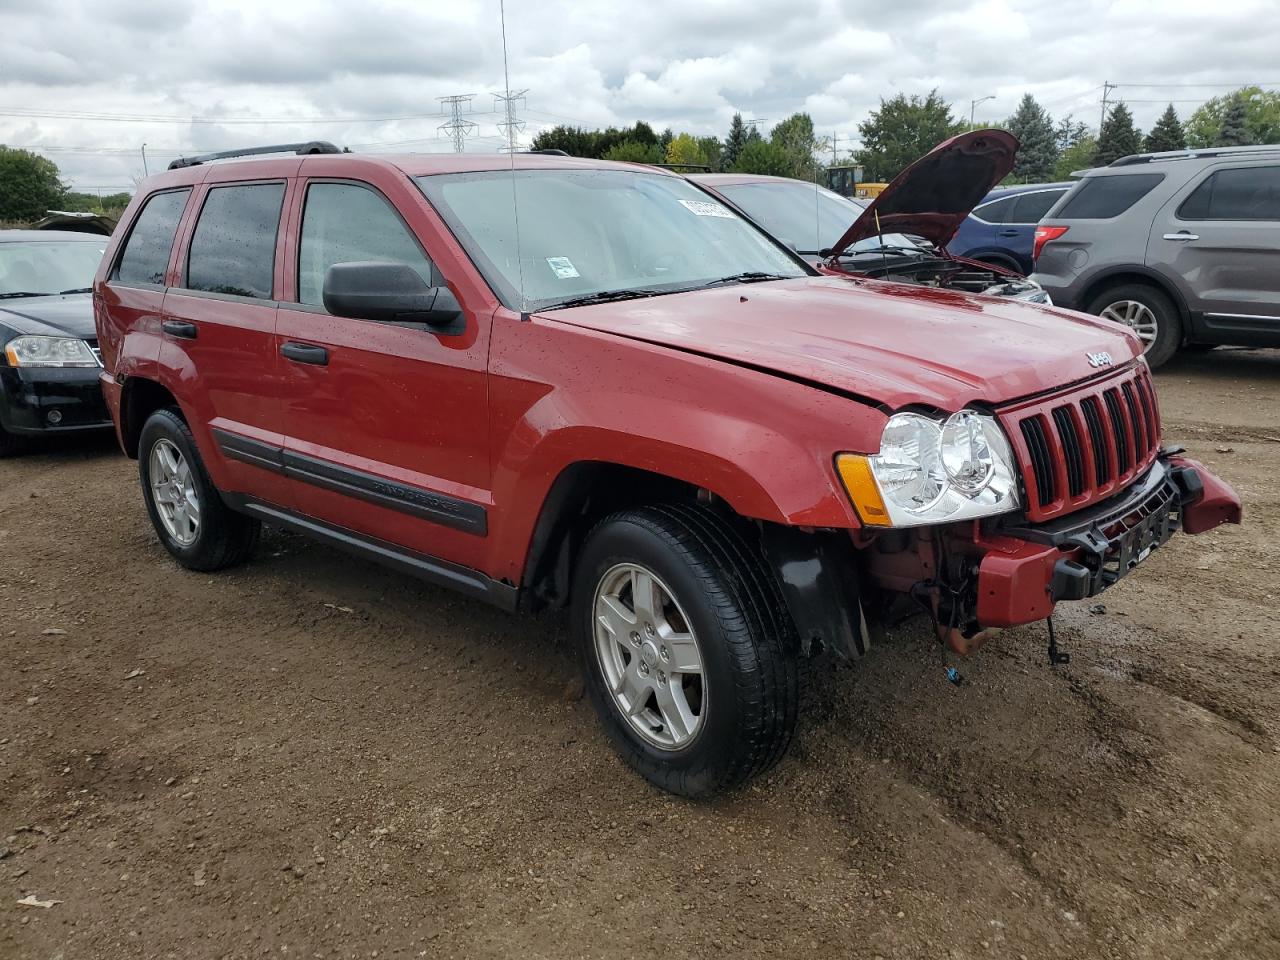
<point x="193" y="523"/>
<point x="688" y="660"/>
<point x="1148" y="313"/>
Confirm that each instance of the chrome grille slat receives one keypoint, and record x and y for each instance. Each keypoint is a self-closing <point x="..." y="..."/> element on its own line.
<point x="1104" y="435"/>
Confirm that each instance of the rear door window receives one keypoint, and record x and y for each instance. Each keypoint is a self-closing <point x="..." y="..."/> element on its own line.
<point x="1247" y="193"/>
<point x="344" y="222"/>
<point x="233" y="247"/>
<point x="998" y="211"/>
<point x="1101" y="198"/>
<point x="1030" y="207"/>
<point x="146" y="253"/>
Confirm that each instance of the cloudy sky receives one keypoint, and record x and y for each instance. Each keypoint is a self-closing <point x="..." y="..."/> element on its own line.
<point x="89" y="81"/>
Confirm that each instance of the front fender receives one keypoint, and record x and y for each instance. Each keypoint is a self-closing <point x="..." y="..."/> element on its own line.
<point x="763" y="443"/>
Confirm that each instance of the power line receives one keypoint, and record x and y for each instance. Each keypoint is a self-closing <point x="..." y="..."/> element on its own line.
<point x="456" y="127"/>
<point x="1256" y="83"/>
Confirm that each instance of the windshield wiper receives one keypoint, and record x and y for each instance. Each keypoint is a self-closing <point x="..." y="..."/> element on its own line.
<point x="604" y="296"/>
<point x="751" y="276"/>
<point x="21" y="293"/>
<point x="76" y="290"/>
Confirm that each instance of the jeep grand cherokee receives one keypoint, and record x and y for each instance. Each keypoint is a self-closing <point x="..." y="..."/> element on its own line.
<point x="546" y="381"/>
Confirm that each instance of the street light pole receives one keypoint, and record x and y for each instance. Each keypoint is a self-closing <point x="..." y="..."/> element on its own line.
<point x="145" y="171"/>
<point x="973" y="106"/>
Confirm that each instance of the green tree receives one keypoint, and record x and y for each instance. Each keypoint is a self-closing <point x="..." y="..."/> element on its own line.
<point x="1118" y="137"/>
<point x="1078" y="156"/>
<point x="1261" y="117"/>
<point x="685" y="149"/>
<point x="1038" y="152"/>
<point x="762" y="156"/>
<point x="1167" y="134"/>
<point x="796" y="137"/>
<point x="1234" y="131"/>
<point x="578" y="142"/>
<point x="734" y="142"/>
<point x="1069" y="132"/>
<point x="712" y="149"/>
<point x="902" y="130"/>
<point x="632" y="151"/>
<point x="29" y="184"/>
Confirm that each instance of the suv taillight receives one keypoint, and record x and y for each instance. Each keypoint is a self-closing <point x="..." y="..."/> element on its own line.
<point x="1043" y="236"/>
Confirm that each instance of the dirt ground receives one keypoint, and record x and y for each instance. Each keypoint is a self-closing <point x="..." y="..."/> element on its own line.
<point x="311" y="756"/>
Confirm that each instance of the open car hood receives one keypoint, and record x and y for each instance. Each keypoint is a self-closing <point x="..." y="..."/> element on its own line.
<point x="931" y="198"/>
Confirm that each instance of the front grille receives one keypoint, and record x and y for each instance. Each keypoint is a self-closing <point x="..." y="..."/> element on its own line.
<point x="1081" y="447"/>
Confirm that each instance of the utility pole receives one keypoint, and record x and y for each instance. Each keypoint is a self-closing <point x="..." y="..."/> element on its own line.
<point x="456" y="127"/>
<point x="511" y="127"/>
<point x="1107" y="87"/>
<point x="835" y="152"/>
<point x="145" y="171"/>
<point x="973" y="107"/>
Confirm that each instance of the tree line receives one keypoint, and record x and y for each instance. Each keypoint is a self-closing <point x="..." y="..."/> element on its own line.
<point x="903" y="128"/>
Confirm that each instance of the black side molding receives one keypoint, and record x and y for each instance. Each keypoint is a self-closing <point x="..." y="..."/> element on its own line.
<point x="465" y="580"/>
<point x="415" y="501"/>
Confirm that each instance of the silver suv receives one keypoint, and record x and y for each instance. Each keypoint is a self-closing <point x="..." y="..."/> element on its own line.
<point x="1184" y="247"/>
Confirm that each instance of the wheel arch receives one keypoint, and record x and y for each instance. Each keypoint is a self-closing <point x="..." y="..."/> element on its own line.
<point x="1137" y="273"/>
<point x="139" y="398"/>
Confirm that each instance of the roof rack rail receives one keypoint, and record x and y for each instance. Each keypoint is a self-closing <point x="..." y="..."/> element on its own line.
<point x="679" y="167"/>
<point x="1194" y="153"/>
<point x="301" y="149"/>
<point x="549" y="152"/>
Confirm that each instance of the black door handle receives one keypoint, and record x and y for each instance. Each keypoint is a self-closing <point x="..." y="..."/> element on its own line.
<point x="1007" y="233"/>
<point x="306" y="353"/>
<point x="180" y="329"/>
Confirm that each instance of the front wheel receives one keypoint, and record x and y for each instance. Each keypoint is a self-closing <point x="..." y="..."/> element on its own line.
<point x="689" y="661"/>
<point x="1148" y="313"/>
<point x="193" y="523"/>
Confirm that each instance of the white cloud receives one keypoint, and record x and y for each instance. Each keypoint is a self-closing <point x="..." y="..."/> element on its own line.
<point x="685" y="64"/>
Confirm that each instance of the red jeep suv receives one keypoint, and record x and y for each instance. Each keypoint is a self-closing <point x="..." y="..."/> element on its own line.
<point x="546" y="381"/>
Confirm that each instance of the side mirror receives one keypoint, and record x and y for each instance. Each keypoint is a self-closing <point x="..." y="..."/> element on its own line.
<point x="389" y="293"/>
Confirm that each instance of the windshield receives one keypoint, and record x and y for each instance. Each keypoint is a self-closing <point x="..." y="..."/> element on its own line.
<point x="43" y="267"/>
<point x="810" y="216"/>
<point x="591" y="233"/>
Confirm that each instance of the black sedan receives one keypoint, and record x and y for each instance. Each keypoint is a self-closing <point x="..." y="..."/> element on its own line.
<point x="49" y="362"/>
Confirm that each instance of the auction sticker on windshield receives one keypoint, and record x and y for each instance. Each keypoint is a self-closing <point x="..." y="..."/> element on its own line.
<point x="562" y="267"/>
<point x="705" y="208"/>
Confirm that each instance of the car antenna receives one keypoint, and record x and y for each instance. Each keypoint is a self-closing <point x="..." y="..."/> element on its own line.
<point x="511" y="155"/>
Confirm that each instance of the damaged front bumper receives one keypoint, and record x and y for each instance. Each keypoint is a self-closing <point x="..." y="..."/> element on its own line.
<point x="1026" y="569"/>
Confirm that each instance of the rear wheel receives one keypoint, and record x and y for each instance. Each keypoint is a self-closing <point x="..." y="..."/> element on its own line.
<point x="688" y="659"/>
<point x="1146" y="311"/>
<point x="193" y="523"/>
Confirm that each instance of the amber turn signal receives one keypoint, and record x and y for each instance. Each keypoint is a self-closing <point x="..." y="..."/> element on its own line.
<point x="855" y="471"/>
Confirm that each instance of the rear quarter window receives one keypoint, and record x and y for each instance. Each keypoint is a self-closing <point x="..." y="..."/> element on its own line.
<point x="997" y="211"/>
<point x="145" y="257"/>
<point x="1101" y="198"/>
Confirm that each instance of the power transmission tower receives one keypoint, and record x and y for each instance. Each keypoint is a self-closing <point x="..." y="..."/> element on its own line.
<point x="457" y="127"/>
<point x="1107" y="87"/>
<point x="511" y="127"/>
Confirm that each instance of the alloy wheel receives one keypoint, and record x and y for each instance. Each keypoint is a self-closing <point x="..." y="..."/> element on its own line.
<point x="1135" y="315"/>
<point x="649" y="656"/>
<point x="173" y="492"/>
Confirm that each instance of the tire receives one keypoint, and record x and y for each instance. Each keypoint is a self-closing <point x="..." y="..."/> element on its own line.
<point x="1116" y="303"/>
<point x="747" y="690"/>
<point x="220" y="537"/>
<point x="10" y="444"/>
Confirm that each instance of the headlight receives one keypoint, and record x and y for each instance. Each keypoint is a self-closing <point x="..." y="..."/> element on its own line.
<point x="930" y="472"/>
<point x="49" y="352"/>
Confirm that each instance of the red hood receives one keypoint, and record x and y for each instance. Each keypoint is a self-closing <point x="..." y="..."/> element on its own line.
<point x="892" y="343"/>
<point x="931" y="198"/>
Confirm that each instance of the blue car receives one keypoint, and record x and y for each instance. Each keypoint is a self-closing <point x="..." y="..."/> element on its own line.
<point x="1000" y="230"/>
